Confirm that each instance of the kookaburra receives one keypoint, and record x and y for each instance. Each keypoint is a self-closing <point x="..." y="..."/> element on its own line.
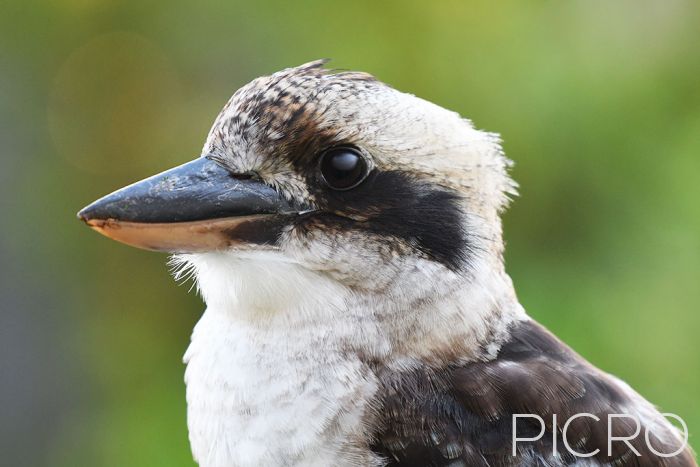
<point x="346" y="238"/>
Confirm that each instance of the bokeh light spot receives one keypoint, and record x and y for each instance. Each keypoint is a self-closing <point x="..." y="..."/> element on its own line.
<point x="112" y="105"/>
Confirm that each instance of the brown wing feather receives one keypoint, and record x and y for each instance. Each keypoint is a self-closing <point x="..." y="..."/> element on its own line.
<point x="462" y="415"/>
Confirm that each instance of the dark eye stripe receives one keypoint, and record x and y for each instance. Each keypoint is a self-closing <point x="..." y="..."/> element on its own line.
<point x="397" y="204"/>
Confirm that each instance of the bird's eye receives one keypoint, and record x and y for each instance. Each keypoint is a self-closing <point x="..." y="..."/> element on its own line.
<point x="343" y="168"/>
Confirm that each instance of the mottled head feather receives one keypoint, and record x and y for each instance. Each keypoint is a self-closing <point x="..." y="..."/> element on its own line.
<point x="277" y="126"/>
<point x="289" y="116"/>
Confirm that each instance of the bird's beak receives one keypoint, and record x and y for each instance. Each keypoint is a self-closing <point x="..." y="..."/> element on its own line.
<point x="198" y="206"/>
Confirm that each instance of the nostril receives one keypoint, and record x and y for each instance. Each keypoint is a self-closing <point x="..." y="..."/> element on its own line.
<point x="249" y="175"/>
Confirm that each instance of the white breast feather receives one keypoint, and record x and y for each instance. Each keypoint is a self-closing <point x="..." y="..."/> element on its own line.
<point x="270" y="377"/>
<point x="263" y="385"/>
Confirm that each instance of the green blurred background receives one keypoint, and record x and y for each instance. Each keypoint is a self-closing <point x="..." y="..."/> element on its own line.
<point x="598" y="103"/>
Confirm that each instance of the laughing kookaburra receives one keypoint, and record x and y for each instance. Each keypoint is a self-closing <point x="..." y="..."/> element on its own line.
<point x="346" y="238"/>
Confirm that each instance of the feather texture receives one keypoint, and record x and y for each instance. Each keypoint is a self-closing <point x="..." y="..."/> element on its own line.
<point x="463" y="414"/>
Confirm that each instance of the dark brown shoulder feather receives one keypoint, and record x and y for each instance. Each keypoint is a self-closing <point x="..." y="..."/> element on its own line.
<point x="462" y="415"/>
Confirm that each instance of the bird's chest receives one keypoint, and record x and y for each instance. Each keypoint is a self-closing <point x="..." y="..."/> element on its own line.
<point x="273" y="398"/>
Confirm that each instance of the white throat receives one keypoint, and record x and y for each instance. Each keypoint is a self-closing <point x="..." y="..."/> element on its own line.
<point x="278" y="372"/>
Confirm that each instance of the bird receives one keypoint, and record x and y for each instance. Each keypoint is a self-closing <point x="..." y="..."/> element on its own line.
<point x="346" y="238"/>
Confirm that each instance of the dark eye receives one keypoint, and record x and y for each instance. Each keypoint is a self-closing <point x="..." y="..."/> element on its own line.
<point x="343" y="168"/>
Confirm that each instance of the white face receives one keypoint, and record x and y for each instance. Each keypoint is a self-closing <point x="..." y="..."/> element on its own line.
<point x="430" y="187"/>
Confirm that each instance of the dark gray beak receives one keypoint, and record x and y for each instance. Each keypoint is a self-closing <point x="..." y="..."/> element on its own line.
<point x="198" y="206"/>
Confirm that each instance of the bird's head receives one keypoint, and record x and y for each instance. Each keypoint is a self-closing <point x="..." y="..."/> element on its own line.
<point x="333" y="172"/>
